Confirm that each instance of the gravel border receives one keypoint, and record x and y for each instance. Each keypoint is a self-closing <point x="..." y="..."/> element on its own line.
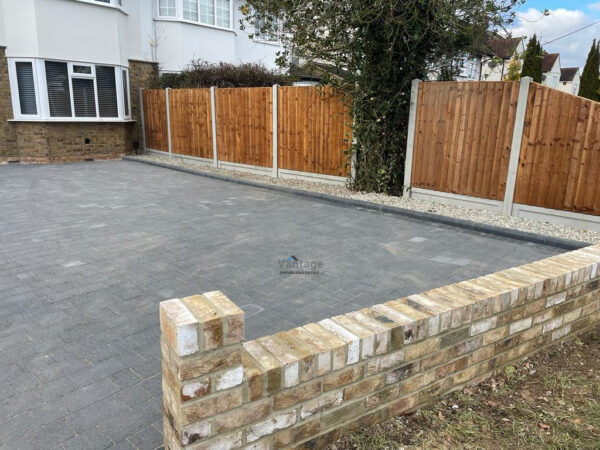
<point x="564" y="237"/>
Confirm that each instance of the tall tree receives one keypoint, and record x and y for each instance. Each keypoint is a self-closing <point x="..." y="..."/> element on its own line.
<point x="590" y="81"/>
<point x="372" y="50"/>
<point x="532" y="61"/>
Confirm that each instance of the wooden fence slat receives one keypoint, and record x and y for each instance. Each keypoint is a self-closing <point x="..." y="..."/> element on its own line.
<point x="463" y="135"/>
<point x="314" y="133"/>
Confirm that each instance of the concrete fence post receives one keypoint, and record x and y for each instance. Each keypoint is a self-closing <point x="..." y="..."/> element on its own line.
<point x="275" y="130"/>
<point x="213" y="121"/>
<point x="515" y="150"/>
<point x="142" y="120"/>
<point x="410" y="137"/>
<point x="168" y="107"/>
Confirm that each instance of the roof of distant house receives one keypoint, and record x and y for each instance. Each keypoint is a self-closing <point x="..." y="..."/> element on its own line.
<point x="503" y="48"/>
<point x="568" y="73"/>
<point x="548" y="62"/>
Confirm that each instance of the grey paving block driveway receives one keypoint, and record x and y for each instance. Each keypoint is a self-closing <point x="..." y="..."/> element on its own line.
<point x="87" y="251"/>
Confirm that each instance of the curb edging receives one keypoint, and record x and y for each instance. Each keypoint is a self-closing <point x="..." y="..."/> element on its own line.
<point x="567" y="244"/>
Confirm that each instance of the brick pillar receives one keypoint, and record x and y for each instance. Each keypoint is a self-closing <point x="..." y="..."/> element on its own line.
<point x="141" y="75"/>
<point x="201" y="346"/>
<point x="8" y="148"/>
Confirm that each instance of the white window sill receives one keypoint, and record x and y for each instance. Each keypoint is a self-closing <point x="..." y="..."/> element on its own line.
<point x="198" y="24"/>
<point x="104" y="5"/>
<point x="272" y="43"/>
<point x="72" y="120"/>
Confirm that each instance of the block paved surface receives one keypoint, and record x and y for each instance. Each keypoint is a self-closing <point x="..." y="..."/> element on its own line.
<point x="87" y="251"/>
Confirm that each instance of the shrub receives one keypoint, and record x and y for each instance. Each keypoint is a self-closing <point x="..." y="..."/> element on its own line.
<point x="202" y="74"/>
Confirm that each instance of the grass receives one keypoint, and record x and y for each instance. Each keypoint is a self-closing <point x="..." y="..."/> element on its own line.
<point x="550" y="401"/>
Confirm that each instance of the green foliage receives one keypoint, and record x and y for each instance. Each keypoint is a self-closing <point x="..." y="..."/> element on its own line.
<point x="590" y="81"/>
<point x="514" y="69"/>
<point x="532" y="62"/>
<point x="202" y="74"/>
<point x="374" y="49"/>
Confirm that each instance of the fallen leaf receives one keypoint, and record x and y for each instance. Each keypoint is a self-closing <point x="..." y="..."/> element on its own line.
<point x="543" y="426"/>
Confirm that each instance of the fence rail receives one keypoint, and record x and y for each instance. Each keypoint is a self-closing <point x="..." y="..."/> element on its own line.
<point x="307" y="130"/>
<point x="519" y="147"/>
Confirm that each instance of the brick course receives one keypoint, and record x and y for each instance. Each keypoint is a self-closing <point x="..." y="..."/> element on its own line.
<point x="293" y="394"/>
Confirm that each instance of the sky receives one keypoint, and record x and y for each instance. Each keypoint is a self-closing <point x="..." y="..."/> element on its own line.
<point x="565" y="16"/>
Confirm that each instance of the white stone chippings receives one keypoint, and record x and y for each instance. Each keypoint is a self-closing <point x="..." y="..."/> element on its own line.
<point x="482" y="216"/>
<point x="279" y="422"/>
<point x="556" y="299"/>
<point x="178" y="323"/>
<point x="354" y="341"/>
<point x="231" y="378"/>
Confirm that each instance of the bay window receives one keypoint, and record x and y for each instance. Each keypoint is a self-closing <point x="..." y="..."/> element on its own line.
<point x="217" y="13"/>
<point x="61" y="90"/>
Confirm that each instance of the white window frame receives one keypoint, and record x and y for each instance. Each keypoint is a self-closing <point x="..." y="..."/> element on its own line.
<point x="276" y="42"/>
<point x="83" y="76"/>
<point x="116" y="4"/>
<point x="120" y="93"/>
<point x="41" y="90"/>
<point x="179" y="16"/>
<point x="178" y="11"/>
<point x="14" y="88"/>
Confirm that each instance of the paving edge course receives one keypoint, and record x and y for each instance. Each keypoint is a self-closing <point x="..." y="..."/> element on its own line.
<point x="566" y="244"/>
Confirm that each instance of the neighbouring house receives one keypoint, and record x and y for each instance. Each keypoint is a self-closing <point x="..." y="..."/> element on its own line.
<point x="569" y="80"/>
<point x="70" y="70"/>
<point x="551" y="72"/>
<point x="496" y="59"/>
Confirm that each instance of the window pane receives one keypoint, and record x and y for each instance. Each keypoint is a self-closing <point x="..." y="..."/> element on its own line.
<point x="125" y="93"/>
<point x="167" y="8"/>
<point x="26" y="87"/>
<point x="223" y="7"/>
<point x="266" y="30"/>
<point x="59" y="94"/>
<point x="84" y="98"/>
<point x="190" y="10"/>
<point x="82" y="69"/>
<point x="207" y="12"/>
<point x="107" y="91"/>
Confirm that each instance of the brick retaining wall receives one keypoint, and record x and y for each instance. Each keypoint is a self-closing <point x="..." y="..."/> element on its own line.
<point x="306" y="387"/>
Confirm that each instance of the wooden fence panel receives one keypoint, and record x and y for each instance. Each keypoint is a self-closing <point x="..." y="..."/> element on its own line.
<point x="463" y="137"/>
<point x="245" y="125"/>
<point x="191" y="128"/>
<point x="155" y="119"/>
<point x="559" y="164"/>
<point x="314" y="131"/>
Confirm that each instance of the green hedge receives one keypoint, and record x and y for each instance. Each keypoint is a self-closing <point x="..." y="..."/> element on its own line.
<point x="202" y="74"/>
